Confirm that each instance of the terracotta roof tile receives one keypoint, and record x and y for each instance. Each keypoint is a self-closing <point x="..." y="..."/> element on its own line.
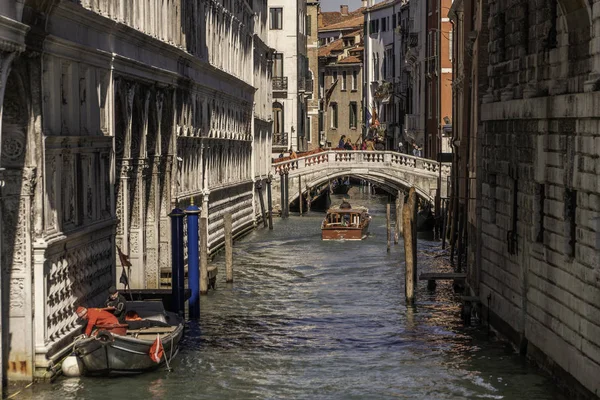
<point x="335" y="17"/>
<point x="350" y="60"/>
<point x="351" y="23"/>
<point x="336" y="45"/>
<point x="353" y="33"/>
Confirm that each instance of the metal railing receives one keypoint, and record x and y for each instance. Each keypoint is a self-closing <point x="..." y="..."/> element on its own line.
<point x="280" y="139"/>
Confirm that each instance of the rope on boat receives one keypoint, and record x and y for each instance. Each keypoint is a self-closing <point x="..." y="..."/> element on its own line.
<point x="170" y="356"/>
<point x="14" y="394"/>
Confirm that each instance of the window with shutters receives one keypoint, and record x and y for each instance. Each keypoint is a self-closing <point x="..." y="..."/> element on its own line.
<point x="353" y="115"/>
<point x="276" y="18"/>
<point x="334" y="115"/>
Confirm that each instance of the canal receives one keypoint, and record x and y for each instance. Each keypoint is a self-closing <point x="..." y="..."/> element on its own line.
<point x="307" y="319"/>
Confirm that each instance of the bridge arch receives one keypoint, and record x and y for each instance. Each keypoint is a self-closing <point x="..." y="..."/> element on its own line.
<point x="389" y="169"/>
<point x="391" y="183"/>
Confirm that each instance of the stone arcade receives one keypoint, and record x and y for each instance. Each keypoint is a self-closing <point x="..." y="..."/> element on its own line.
<point x="113" y="113"/>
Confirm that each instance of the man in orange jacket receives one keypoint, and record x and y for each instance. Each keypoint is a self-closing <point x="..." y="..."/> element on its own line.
<point x="95" y="316"/>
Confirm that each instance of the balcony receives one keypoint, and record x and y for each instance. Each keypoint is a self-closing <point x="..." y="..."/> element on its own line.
<point x="413" y="39"/>
<point x="280" y="139"/>
<point x="411" y="122"/>
<point x="280" y="83"/>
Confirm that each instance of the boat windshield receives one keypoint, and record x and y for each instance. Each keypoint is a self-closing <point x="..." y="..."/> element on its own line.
<point x="344" y="219"/>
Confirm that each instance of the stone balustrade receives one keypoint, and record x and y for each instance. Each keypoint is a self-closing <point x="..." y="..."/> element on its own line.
<point x="396" y="171"/>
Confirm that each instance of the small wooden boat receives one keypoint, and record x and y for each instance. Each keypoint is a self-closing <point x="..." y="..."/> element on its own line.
<point x="109" y="353"/>
<point x="345" y="222"/>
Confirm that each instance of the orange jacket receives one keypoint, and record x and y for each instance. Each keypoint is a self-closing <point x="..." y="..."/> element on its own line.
<point x="97" y="316"/>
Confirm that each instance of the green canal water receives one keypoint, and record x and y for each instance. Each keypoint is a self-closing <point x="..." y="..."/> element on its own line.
<point x="307" y="319"/>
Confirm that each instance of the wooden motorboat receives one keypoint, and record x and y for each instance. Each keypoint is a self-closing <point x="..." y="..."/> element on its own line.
<point x="345" y="222"/>
<point x="109" y="353"/>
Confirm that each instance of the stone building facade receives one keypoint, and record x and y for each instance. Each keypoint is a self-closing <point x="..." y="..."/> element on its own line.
<point x="414" y="34"/>
<point x="384" y="92"/>
<point x="313" y="136"/>
<point x="340" y="76"/>
<point x="340" y="69"/>
<point x="113" y="114"/>
<point x="528" y="223"/>
<point x="288" y="36"/>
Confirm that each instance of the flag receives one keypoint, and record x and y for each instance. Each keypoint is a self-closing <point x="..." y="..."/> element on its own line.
<point x="124" y="259"/>
<point x="329" y="92"/>
<point x="123" y="279"/>
<point x="156" y="351"/>
<point x="375" y="119"/>
<point x="368" y="117"/>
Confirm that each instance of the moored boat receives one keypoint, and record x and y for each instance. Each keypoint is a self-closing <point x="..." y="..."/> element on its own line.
<point x="108" y="353"/>
<point x="345" y="222"/>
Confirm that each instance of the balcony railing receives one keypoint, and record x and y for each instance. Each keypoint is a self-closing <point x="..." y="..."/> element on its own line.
<point x="280" y="83"/>
<point x="280" y="139"/>
<point x="413" y="39"/>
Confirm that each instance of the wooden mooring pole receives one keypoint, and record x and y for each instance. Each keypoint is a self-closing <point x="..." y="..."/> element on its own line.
<point x="263" y="212"/>
<point x="300" y="194"/>
<point x="388" y="227"/>
<point x="228" y="229"/>
<point x="410" y="245"/>
<point x="270" y="201"/>
<point x="203" y="255"/>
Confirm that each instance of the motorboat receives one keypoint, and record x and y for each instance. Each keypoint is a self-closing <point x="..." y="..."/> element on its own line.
<point x="345" y="222"/>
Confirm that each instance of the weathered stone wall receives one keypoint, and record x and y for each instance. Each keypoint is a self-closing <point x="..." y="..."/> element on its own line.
<point x="540" y="209"/>
<point x="116" y="113"/>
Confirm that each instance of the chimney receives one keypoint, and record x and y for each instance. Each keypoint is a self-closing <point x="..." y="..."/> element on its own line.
<point x="344" y="10"/>
<point x="364" y="3"/>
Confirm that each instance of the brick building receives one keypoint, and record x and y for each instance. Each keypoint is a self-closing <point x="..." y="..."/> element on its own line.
<point x="526" y="187"/>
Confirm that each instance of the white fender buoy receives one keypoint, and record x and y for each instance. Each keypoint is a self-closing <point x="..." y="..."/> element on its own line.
<point x="71" y="366"/>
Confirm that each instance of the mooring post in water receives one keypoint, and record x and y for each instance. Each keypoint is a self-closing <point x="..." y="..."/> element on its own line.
<point x="300" y="194"/>
<point x="193" y="268"/>
<point x="399" y="207"/>
<point x="308" y="199"/>
<point x="203" y="255"/>
<point x="410" y="254"/>
<point x="270" y="201"/>
<point x="228" y="228"/>
<point x="388" y="223"/>
<point x="282" y="194"/>
<point x="204" y="244"/>
<point x="259" y="187"/>
<point x="177" y="271"/>
<point x="396" y="224"/>
<point x="286" y="194"/>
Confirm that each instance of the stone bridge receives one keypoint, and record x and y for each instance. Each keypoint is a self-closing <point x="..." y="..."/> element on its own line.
<point x="390" y="170"/>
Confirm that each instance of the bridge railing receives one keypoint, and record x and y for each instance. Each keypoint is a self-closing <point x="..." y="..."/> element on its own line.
<point x="341" y="157"/>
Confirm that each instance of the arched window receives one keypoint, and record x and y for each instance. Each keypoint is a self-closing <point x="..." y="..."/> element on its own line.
<point x="277" y="118"/>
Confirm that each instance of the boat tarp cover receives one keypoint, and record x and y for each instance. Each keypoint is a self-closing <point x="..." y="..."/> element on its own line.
<point x="153" y="310"/>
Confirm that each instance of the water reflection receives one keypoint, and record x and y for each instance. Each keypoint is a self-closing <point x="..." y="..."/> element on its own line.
<point x="307" y="319"/>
